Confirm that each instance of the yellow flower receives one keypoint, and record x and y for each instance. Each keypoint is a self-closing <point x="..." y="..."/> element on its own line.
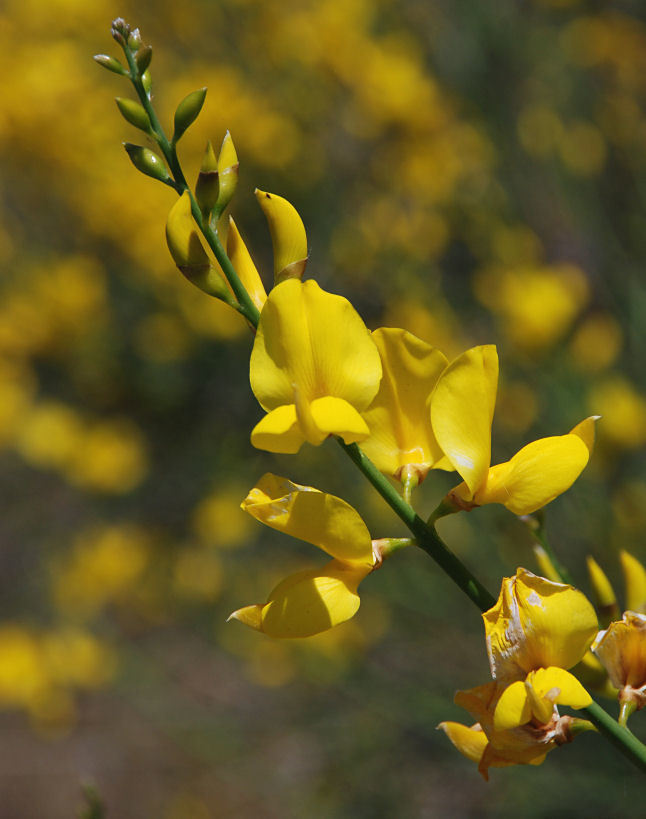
<point x="518" y="724"/>
<point x="314" y="368"/>
<point x="401" y="438"/>
<point x="313" y="600"/>
<point x="622" y="650"/>
<point x="537" y="624"/>
<point x="462" y="407"/>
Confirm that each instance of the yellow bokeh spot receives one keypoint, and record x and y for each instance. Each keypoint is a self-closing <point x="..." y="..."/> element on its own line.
<point x="516" y="406"/>
<point x="623" y="410"/>
<point x="111" y="457"/>
<point x="271" y="664"/>
<point x="49" y="435"/>
<point x="596" y="343"/>
<point x="218" y="520"/>
<point x="583" y="149"/>
<point x="162" y="337"/>
<point x="197" y="575"/>
<point x="539" y="130"/>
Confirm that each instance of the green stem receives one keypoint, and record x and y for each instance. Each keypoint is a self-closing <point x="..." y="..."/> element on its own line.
<point x="246" y="305"/>
<point x="426" y="536"/>
<point x="618" y="735"/>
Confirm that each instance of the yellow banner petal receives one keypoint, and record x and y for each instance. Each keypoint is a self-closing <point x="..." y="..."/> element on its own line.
<point x="313" y="601"/>
<point x="513" y="708"/>
<point x="315" y="341"/>
<point x="536" y="624"/>
<point x="316" y="517"/>
<point x="398" y="417"/>
<point x="536" y="474"/>
<point x="462" y="406"/>
<point x="278" y="431"/>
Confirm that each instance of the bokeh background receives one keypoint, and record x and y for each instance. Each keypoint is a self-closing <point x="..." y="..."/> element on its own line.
<point x="474" y="172"/>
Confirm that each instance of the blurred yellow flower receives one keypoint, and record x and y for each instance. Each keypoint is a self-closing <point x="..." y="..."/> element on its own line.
<point x="462" y="407"/>
<point x="622" y="650"/>
<point x="313" y="600"/>
<point x="597" y="343"/>
<point x="623" y="409"/>
<point x="111" y="457"/>
<point x="314" y="368"/>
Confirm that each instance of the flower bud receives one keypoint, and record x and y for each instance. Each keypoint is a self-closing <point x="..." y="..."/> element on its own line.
<point x="111" y="63"/>
<point x="147" y="82"/>
<point x="547" y="568"/>
<point x="607" y="606"/>
<point x="188" y="111"/>
<point x="143" y="58"/>
<point x="147" y="162"/>
<point x="227" y="173"/>
<point x="134" y="39"/>
<point x="635" y="580"/>
<point x="207" y="187"/>
<point x="120" y="31"/>
<point x="188" y="252"/>
<point x="134" y="113"/>
<point x="287" y="236"/>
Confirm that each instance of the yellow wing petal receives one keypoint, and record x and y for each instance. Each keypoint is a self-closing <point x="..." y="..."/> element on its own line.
<point x="536" y="474"/>
<point x="559" y="687"/>
<point x="398" y="417"/>
<point x="462" y="406"/>
<point x="513" y="708"/>
<point x="278" y="431"/>
<point x="316" y="517"/>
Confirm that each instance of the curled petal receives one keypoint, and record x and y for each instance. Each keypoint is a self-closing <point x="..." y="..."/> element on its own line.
<point x="315" y="341"/>
<point x="536" y="474"/>
<point x="398" y="417"/>
<point x="316" y="517"/>
<point x="536" y="624"/>
<point x="462" y="406"/>
<point x="470" y="742"/>
<point x="308" y="602"/>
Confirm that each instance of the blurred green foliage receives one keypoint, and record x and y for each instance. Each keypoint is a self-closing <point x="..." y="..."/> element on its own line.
<point x="473" y="172"/>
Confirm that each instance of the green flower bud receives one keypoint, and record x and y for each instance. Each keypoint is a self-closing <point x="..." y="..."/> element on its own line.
<point x="147" y="162"/>
<point x="143" y="58"/>
<point x="207" y="186"/>
<point x="147" y="82"/>
<point x="134" y="113"/>
<point x="188" y="111"/>
<point x="134" y="39"/>
<point x="111" y="63"/>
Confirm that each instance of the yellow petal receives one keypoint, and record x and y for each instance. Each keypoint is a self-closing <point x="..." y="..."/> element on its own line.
<point x="513" y="708"/>
<point x="278" y="431"/>
<point x="308" y="602"/>
<point x="635" y="581"/>
<point x="558" y="687"/>
<point x="622" y="650"/>
<point x="603" y="591"/>
<point x="536" y="474"/>
<point x="249" y="615"/>
<point x="316" y="517"/>
<point x="399" y="421"/>
<point x="535" y="624"/>
<point x="462" y="406"/>
<point x="586" y="430"/>
<point x="287" y="236"/>
<point x="244" y="266"/>
<point x="334" y="416"/>
<point x="315" y="341"/>
<point x="471" y="742"/>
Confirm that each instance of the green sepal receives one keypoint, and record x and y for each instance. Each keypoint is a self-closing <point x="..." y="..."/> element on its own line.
<point x="188" y="111"/>
<point x="134" y="113"/>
